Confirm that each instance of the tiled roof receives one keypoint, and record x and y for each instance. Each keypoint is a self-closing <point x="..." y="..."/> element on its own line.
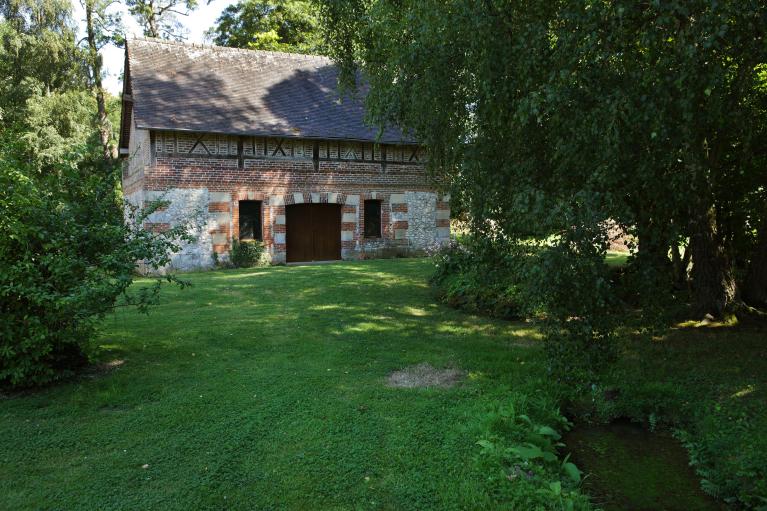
<point x="177" y="86"/>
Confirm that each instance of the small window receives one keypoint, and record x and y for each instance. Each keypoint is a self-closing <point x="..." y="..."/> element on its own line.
<point x="250" y="220"/>
<point x="372" y="218"/>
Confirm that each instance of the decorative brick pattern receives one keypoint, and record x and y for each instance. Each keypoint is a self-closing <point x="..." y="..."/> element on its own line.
<point x="157" y="226"/>
<point x="399" y="207"/>
<point x="218" y="171"/>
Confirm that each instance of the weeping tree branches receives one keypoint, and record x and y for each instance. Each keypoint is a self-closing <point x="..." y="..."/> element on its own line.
<point x="648" y="114"/>
<point x="553" y="120"/>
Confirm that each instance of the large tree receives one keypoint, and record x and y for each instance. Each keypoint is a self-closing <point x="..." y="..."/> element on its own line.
<point x="66" y="255"/>
<point x="280" y="25"/>
<point x="551" y="118"/>
<point x="101" y="27"/>
<point x="38" y="53"/>
<point x="159" y="18"/>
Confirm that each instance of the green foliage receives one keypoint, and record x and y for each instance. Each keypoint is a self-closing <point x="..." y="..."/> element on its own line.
<point x="38" y="54"/>
<point x="57" y="125"/>
<point x="550" y="120"/>
<point x="520" y="455"/>
<point x="65" y="260"/>
<point x="277" y="25"/>
<point x="66" y="255"/>
<point x="569" y="293"/>
<point x="45" y="94"/>
<point x="246" y="254"/>
<point x="107" y="24"/>
<point x="159" y="18"/>
<point x="478" y="278"/>
<point x="569" y="281"/>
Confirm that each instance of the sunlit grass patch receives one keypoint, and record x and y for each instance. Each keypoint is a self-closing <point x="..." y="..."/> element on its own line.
<point x="616" y="258"/>
<point x="267" y="386"/>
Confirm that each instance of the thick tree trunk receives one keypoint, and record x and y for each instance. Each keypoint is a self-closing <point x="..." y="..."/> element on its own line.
<point x="105" y="130"/>
<point x="755" y="285"/>
<point x="152" y="29"/>
<point x="713" y="280"/>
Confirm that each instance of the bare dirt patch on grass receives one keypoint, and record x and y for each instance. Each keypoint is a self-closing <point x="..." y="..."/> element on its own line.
<point x="424" y="376"/>
<point x="102" y="368"/>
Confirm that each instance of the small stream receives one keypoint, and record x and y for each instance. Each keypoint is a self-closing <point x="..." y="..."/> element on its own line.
<point x="629" y="468"/>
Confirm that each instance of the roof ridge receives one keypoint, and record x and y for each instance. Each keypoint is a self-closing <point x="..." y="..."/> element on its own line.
<point x="184" y="44"/>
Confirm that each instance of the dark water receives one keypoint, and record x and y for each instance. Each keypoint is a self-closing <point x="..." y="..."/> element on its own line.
<point x="629" y="468"/>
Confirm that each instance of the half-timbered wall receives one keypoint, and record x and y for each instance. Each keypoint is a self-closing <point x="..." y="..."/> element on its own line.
<point x="247" y="147"/>
<point x="206" y="175"/>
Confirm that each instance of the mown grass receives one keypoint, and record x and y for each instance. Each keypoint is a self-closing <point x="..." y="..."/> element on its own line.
<point x="265" y="389"/>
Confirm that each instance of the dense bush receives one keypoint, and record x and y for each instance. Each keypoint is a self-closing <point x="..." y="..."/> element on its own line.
<point x="246" y="254"/>
<point x="488" y="285"/>
<point x="66" y="256"/>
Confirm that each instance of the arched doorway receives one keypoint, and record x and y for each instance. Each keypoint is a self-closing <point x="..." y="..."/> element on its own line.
<point x="313" y="232"/>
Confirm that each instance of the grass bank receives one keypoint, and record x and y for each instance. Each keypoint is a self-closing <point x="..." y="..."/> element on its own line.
<point x="708" y="384"/>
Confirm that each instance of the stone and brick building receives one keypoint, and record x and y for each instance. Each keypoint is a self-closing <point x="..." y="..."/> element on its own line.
<point x="260" y="145"/>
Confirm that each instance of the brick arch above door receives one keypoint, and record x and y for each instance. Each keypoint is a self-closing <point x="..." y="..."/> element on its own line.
<point x="310" y="198"/>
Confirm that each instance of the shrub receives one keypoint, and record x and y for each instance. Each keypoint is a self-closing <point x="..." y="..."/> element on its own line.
<point x="476" y="280"/>
<point x="391" y="252"/>
<point x="562" y="282"/>
<point x="66" y="256"/>
<point x="246" y="254"/>
<point x="518" y="452"/>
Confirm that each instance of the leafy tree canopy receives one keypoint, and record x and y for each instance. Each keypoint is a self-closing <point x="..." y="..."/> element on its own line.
<point x="278" y="25"/>
<point x="38" y="53"/>
<point x="67" y="256"/>
<point x="550" y="119"/>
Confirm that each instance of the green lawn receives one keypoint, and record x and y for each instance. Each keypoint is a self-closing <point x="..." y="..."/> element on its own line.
<point x="265" y="389"/>
<point x="616" y="258"/>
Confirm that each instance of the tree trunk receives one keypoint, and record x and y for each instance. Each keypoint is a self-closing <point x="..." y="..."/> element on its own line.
<point x="105" y="130"/>
<point x="153" y="31"/>
<point x="755" y="285"/>
<point x="151" y="20"/>
<point x="713" y="280"/>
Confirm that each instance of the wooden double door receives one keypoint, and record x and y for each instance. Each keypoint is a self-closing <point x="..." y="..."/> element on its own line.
<point x="313" y="232"/>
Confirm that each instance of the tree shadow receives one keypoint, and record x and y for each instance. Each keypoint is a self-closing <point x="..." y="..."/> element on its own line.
<point x="310" y="100"/>
<point x="246" y="93"/>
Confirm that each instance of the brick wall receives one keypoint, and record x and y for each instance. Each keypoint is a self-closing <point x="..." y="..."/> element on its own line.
<point x="217" y="171"/>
